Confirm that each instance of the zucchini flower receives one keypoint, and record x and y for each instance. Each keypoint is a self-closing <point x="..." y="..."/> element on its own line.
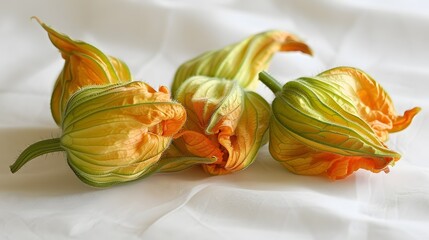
<point x="334" y="123"/>
<point x="84" y="65"/>
<point x="224" y="122"/>
<point x="115" y="133"/>
<point x="241" y="61"/>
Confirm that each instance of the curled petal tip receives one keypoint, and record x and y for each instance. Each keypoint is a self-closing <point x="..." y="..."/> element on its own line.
<point x="38" y="20"/>
<point x="403" y="122"/>
<point x="241" y="61"/>
<point x="295" y="45"/>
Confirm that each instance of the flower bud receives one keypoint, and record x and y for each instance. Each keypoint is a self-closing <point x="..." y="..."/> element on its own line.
<point x="224" y="122"/>
<point x="114" y="133"/>
<point x="334" y="123"/>
<point x="241" y="61"/>
<point x="84" y="65"/>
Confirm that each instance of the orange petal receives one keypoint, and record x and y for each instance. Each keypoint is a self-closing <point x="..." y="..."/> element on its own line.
<point x="374" y="103"/>
<point x="402" y="122"/>
<point x="199" y="145"/>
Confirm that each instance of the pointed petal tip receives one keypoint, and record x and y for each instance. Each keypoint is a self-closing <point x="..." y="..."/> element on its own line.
<point x="404" y="121"/>
<point x="44" y="25"/>
<point x="415" y="109"/>
<point x="298" y="46"/>
<point x="293" y="43"/>
<point x="38" y="20"/>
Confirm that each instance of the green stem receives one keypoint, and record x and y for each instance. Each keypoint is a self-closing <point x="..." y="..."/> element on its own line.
<point x="35" y="150"/>
<point x="270" y="82"/>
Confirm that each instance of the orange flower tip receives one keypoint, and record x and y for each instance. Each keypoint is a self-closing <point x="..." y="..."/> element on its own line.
<point x="293" y="45"/>
<point x="415" y="110"/>
<point x="412" y="112"/>
<point x="404" y="121"/>
<point x="164" y="89"/>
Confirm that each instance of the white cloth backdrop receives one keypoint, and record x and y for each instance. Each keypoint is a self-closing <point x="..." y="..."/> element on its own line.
<point x="387" y="39"/>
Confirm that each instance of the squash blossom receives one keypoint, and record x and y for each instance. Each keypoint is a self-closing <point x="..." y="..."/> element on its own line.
<point x="115" y="133"/>
<point x="241" y="61"/>
<point x="84" y="65"/>
<point x="334" y="123"/>
<point x="224" y="122"/>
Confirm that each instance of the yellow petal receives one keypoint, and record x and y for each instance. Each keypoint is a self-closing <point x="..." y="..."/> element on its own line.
<point x="241" y="61"/>
<point x="117" y="133"/>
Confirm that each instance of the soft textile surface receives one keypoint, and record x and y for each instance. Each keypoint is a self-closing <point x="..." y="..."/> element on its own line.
<point x="45" y="200"/>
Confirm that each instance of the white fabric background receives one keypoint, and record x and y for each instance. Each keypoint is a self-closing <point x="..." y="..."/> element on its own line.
<point x="44" y="200"/>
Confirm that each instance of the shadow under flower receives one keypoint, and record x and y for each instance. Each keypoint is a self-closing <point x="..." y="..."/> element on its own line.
<point x="51" y="176"/>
